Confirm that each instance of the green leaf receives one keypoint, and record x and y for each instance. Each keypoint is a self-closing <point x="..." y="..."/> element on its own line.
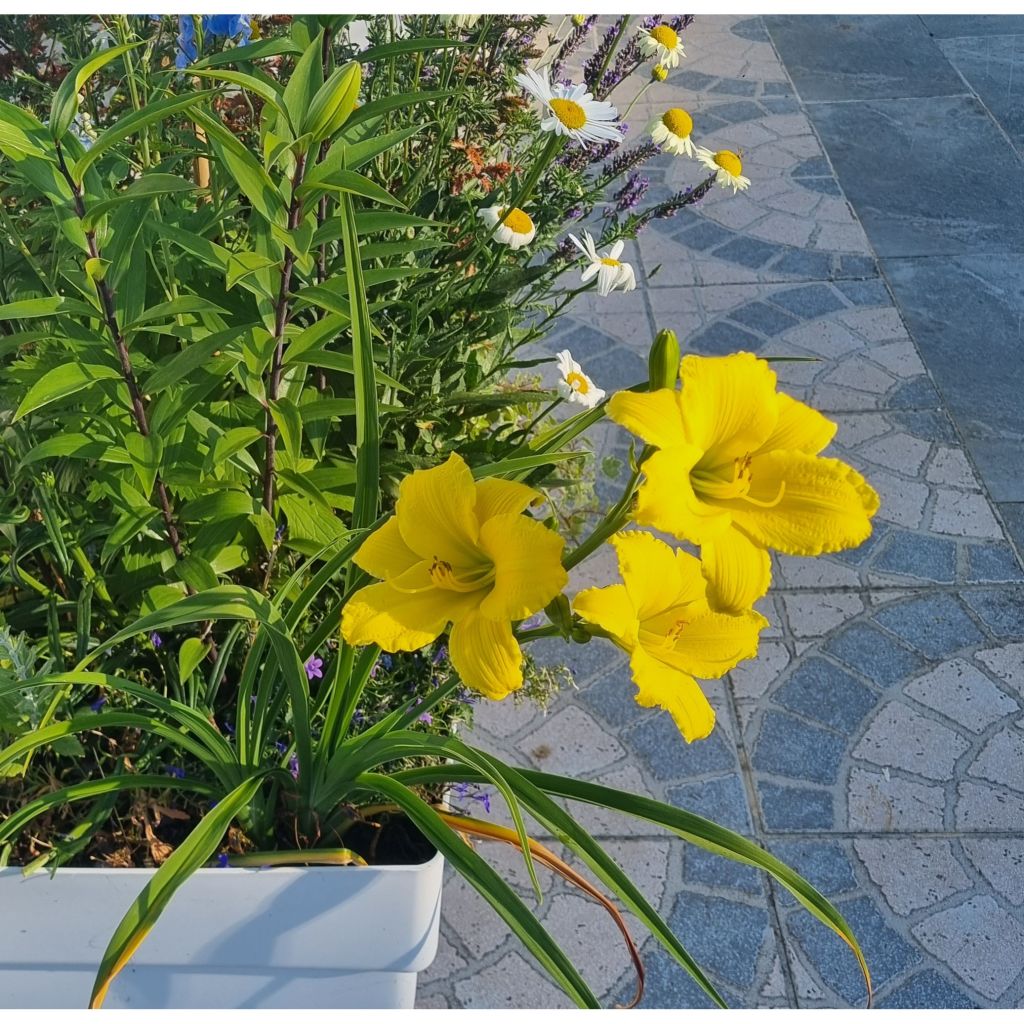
<point x="190" y="656"/>
<point x="62" y="381"/>
<point x="196" y="572"/>
<point x="242" y="264"/>
<point x="289" y="422"/>
<point x="202" y="353"/>
<point x="367" y="493"/>
<point x="264" y="87"/>
<point x="146" y="187"/>
<point x="517" y="468"/>
<point x="303" y="84"/>
<point x="334" y="102"/>
<point x="232" y="441"/>
<point x="310" y="526"/>
<point x="405" y="46"/>
<point x="351" y="182"/>
<point x="370" y="221"/>
<point x="249" y="52"/>
<point x="218" y="505"/>
<point x="49" y="305"/>
<point x="64" y="107"/>
<point x="394" y="101"/>
<point x="69" y="446"/>
<point x="132" y="123"/>
<point x="145" y="454"/>
<point x="146" y="909"/>
<point x="194" y="304"/>
<point x="298" y="482"/>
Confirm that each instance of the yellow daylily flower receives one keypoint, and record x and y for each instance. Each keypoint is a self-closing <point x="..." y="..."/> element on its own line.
<point x="457" y="551"/>
<point x="738" y="473"/>
<point x="659" y="614"/>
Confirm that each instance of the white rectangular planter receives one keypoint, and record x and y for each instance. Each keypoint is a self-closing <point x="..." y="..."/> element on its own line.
<point x="247" y="938"/>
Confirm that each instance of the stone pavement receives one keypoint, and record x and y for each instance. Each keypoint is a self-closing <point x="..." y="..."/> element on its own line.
<point x="876" y="744"/>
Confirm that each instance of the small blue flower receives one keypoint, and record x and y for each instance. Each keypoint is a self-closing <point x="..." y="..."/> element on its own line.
<point x="293" y="765"/>
<point x="228" y="25"/>
<point x="385" y="661"/>
<point x="279" y="533"/>
<point x="461" y="790"/>
<point x="440" y="654"/>
<point x="358" y="717"/>
<point x="427" y="718"/>
<point x="98" y="702"/>
<point x="156" y="640"/>
<point x="222" y="860"/>
<point x="281" y="746"/>
<point x="313" y="668"/>
<point x="174" y="771"/>
<point x="485" y="799"/>
<point x="188" y="50"/>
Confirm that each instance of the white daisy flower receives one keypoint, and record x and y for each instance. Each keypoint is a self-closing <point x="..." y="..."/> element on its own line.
<point x="662" y="42"/>
<point x="611" y="272"/>
<point x="515" y="231"/>
<point x="573" y="111"/>
<point x="672" y="131"/>
<point x="727" y="166"/>
<point x="574" y="384"/>
<point x="462" y="21"/>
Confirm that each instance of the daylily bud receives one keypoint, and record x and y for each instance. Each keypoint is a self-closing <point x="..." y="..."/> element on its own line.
<point x="663" y="362"/>
<point x="334" y="102"/>
<point x="560" y="614"/>
<point x="659" y="73"/>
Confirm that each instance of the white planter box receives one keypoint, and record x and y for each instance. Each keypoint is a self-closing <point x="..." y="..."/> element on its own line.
<point x="294" y="937"/>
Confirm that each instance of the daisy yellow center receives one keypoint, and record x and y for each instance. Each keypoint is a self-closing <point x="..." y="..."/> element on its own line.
<point x="729" y="162"/>
<point x="678" y="122"/>
<point x="519" y="221"/>
<point x="609" y="262"/>
<point x="577" y="382"/>
<point x="666" y="36"/>
<point x="569" y="112"/>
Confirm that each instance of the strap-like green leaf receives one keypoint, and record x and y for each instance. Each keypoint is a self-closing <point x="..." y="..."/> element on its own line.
<point x="62" y="382"/>
<point x="147" y="907"/>
<point x="65" y="100"/>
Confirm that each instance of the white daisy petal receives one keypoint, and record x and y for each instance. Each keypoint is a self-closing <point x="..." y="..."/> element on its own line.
<point x="574" y="384"/>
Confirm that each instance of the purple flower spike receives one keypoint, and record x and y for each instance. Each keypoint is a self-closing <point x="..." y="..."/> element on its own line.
<point x="313" y="668"/>
<point x="293" y="765"/>
<point x="440" y="654"/>
<point x="156" y="640"/>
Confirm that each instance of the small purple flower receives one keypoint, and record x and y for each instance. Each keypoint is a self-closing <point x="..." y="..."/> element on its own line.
<point x="485" y="799"/>
<point x="279" y="533"/>
<point x="98" y="702"/>
<point x="293" y="765"/>
<point x="386" y="662"/>
<point x="358" y="717"/>
<point x="156" y="640"/>
<point x="222" y="860"/>
<point x="174" y="771"/>
<point x="281" y="746"/>
<point x="313" y="668"/>
<point x="427" y="718"/>
<point x="229" y="728"/>
<point x="461" y="790"/>
<point x="440" y="654"/>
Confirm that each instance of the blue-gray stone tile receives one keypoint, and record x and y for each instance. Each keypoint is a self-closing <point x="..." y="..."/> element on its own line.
<point x="943" y="26"/>
<point x="926" y="990"/>
<point x="992" y="563"/>
<point x="722" y="933"/>
<point x="721" y="338"/>
<point x="737" y="112"/>
<point x="918" y="393"/>
<point x="865" y="293"/>
<point x="702" y="867"/>
<point x="668" y="756"/>
<point x="809" y="301"/>
<point x="934" y="624"/>
<point x="763" y="318"/>
<point x="1013" y="518"/>
<point x="751" y="29"/>
<point x="918" y="556"/>
<point x="734" y="87"/>
<point x="722" y="800"/>
<point x="843" y="57"/>
<point x="794" y="808"/>
<point x="930" y="424"/>
<point x="942" y="208"/>
<point x="667" y="985"/>
<point x="814" y="266"/>
<point x="823" y="862"/>
<point x="747" y="252"/>
<point x="873" y="654"/>
<point x="822" y="691"/>
<point x="992" y="67"/>
<point x="972" y="306"/>
<point x="787" y="746"/>
<point x="1001" y="610"/>
<point x="611" y="697"/>
<point x="888" y="954"/>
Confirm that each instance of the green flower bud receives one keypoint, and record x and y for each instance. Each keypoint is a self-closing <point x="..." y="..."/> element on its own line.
<point x="334" y="102"/>
<point x="659" y="73"/>
<point x="663" y="362"/>
<point x="560" y="614"/>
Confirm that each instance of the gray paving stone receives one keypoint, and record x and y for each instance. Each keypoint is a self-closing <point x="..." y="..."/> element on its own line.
<point x="819" y="690"/>
<point x="918" y="556"/>
<point x="1002" y="759"/>
<point x="901" y="738"/>
<point x="785" y="745"/>
<point x="570" y="742"/>
<point x="945" y="26"/>
<point x="912" y="873"/>
<point x="1001" y="861"/>
<point x="934" y="624"/>
<point x="722" y="800"/>
<point x="794" y="808"/>
<point x="886" y="951"/>
<point x="979" y="940"/>
<point x="657" y="742"/>
<point x="984" y="808"/>
<point x="872" y="653"/>
<point x="963" y="694"/>
<point x="906" y="222"/>
<point x="926" y="988"/>
<point x="841" y="57"/>
<point x="993" y="563"/>
<point x="878" y="802"/>
<point x="964" y="515"/>
<point x="1001" y="610"/>
<point x="704" y="868"/>
<point x="824" y="863"/>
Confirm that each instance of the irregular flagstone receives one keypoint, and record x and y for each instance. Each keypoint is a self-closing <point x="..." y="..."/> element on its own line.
<point x="912" y="873"/>
<point x="1001" y="861"/>
<point x="963" y="694"/>
<point x="901" y="738"/>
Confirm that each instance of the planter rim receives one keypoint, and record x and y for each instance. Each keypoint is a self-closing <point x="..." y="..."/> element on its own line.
<point x="281" y="869"/>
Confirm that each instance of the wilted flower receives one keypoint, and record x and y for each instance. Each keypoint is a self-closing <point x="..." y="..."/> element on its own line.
<point x="610" y="271"/>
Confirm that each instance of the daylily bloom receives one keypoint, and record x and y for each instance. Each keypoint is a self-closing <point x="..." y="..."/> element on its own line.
<point x="611" y="272"/>
<point x="571" y="109"/>
<point x="574" y="384"/>
<point x="662" y="42"/>
<point x="457" y="551"/>
<point x="659" y="614"/>
<point x="738" y="472"/>
<point x="728" y="168"/>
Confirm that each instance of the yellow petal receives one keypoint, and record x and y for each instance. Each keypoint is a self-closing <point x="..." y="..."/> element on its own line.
<point x="398" y="620"/>
<point x="825" y="505"/>
<point x="737" y="570"/>
<point x="486" y="655"/>
<point x="436" y="516"/>
<point x="729" y="404"/>
<point x="653" y="416"/>
<point x="495" y="497"/>
<point x="667" y="501"/>
<point x="612" y="610"/>
<point x="660" y="685"/>
<point x="384" y="554"/>
<point x="799" y="428"/>
<point x="713" y="643"/>
<point x="656" y="576"/>
<point x="528" y="571"/>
